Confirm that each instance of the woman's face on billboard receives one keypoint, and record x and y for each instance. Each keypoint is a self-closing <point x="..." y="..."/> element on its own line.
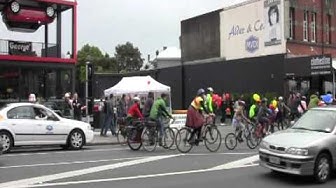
<point x="273" y="17"/>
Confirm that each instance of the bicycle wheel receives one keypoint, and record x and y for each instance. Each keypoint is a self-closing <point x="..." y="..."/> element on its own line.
<point x="133" y="140"/>
<point x="253" y="140"/>
<point x="230" y="141"/>
<point x="149" y="139"/>
<point x="122" y="136"/>
<point x="182" y="140"/>
<point x="168" y="138"/>
<point x="213" y="138"/>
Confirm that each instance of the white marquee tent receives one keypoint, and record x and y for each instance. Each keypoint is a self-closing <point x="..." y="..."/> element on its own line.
<point x="137" y="85"/>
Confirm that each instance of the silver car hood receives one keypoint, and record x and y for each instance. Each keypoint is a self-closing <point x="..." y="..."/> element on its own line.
<point x="294" y="138"/>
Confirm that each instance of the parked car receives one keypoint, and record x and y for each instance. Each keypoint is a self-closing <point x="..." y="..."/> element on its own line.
<point x="307" y="148"/>
<point x="23" y="124"/>
<point x="27" y="16"/>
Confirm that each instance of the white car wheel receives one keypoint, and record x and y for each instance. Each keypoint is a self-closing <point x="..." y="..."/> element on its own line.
<point x="76" y="139"/>
<point x="6" y="141"/>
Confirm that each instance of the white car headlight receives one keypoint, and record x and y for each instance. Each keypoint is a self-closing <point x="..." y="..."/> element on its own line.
<point x="297" y="151"/>
<point x="264" y="144"/>
<point x="50" y="11"/>
<point x="15" y="7"/>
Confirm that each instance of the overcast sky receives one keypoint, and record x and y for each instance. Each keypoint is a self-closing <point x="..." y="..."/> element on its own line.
<point x="148" y="24"/>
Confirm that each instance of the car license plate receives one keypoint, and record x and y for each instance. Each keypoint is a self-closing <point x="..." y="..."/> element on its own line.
<point x="274" y="160"/>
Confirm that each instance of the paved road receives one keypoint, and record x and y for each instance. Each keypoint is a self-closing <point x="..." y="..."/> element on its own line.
<point x="116" y="166"/>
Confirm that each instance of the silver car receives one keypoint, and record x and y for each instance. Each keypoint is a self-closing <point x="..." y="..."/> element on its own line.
<point x="307" y="148"/>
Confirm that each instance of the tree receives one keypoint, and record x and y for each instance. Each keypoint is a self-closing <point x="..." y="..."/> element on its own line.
<point x="87" y="53"/>
<point x="128" y="58"/>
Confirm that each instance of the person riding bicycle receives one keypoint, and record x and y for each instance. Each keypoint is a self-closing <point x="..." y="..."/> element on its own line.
<point x="238" y="120"/>
<point x="263" y="114"/>
<point x="134" y="111"/>
<point x="159" y="112"/>
<point x="209" y="102"/>
<point x="195" y="117"/>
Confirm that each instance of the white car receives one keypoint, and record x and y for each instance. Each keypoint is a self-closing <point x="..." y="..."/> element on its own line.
<point x="28" y="124"/>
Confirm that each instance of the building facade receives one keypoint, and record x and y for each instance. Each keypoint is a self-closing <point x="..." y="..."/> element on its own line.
<point x="263" y="46"/>
<point x="42" y="68"/>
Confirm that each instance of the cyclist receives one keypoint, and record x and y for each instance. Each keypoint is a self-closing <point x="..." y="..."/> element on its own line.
<point x="195" y="117"/>
<point x="148" y="104"/>
<point x="263" y="114"/>
<point x="134" y="111"/>
<point x="158" y="112"/>
<point x="238" y="120"/>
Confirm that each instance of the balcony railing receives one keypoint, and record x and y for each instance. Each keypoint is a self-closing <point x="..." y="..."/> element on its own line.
<point x="25" y="48"/>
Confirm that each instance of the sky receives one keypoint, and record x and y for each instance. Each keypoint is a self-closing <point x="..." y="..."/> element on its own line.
<point x="148" y="24"/>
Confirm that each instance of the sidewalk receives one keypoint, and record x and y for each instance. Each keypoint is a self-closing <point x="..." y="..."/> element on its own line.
<point x="112" y="140"/>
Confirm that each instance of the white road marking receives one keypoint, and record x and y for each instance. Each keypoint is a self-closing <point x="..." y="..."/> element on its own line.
<point x="225" y="153"/>
<point x="238" y="164"/>
<point x="246" y="162"/>
<point x="39" y="180"/>
<point x="70" y="162"/>
<point x="61" y="152"/>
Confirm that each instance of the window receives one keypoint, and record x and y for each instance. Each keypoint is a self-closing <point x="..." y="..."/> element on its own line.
<point x="305" y="26"/>
<point x="313" y="27"/>
<point x="291" y="22"/>
<point x="328" y="29"/>
<point x="22" y="112"/>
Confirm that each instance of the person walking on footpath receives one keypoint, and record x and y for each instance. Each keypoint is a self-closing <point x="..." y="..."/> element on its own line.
<point x="77" y="107"/>
<point x="109" y="117"/>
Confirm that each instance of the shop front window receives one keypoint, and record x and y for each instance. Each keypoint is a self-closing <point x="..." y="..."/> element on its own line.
<point x="9" y="83"/>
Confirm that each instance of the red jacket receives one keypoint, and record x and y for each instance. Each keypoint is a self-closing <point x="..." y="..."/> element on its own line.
<point x="134" y="111"/>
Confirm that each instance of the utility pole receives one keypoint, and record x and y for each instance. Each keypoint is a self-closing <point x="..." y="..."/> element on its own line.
<point x="87" y="91"/>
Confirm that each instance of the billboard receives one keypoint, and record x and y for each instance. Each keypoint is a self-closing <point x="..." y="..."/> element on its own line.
<point x="252" y="29"/>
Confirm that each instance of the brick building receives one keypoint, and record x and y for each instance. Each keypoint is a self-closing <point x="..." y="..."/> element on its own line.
<point x="311" y="27"/>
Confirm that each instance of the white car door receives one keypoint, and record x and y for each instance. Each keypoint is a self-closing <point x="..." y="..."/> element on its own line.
<point x="21" y="121"/>
<point x="50" y="126"/>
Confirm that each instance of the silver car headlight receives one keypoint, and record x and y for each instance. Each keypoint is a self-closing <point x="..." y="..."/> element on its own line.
<point x="297" y="151"/>
<point x="264" y="145"/>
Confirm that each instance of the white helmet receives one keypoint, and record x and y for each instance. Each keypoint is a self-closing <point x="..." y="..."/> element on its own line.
<point x="67" y="95"/>
<point x="280" y="98"/>
<point x="136" y="99"/>
<point x="210" y="89"/>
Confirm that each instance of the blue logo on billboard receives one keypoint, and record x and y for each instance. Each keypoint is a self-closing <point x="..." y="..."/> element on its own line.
<point x="252" y="44"/>
<point x="49" y="128"/>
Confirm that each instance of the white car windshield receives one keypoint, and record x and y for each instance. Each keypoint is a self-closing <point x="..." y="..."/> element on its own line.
<point x="317" y="120"/>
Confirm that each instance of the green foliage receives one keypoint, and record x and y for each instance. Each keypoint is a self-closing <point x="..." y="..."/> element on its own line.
<point x="128" y="58"/>
<point x="89" y="53"/>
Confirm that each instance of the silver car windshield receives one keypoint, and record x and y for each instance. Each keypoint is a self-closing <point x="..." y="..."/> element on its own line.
<point x="317" y="120"/>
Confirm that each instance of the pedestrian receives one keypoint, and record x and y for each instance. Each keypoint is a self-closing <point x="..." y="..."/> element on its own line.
<point x="67" y="108"/>
<point x="109" y="117"/>
<point x="122" y="107"/>
<point x="103" y="107"/>
<point x="224" y="106"/>
<point x="32" y="98"/>
<point x="77" y="107"/>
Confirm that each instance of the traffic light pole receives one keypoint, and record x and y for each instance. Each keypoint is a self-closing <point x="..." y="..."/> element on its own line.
<point x="87" y="91"/>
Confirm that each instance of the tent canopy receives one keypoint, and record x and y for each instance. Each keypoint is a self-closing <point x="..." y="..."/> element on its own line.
<point x="137" y="85"/>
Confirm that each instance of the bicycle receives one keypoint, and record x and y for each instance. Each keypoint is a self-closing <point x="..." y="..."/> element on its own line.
<point x="209" y="134"/>
<point x="150" y="136"/>
<point x="231" y="139"/>
<point x="134" y="132"/>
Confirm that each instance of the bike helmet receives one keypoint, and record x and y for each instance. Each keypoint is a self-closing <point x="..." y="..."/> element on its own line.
<point x="264" y="100"/>
<point x="136" y="99"/>
<point x="210" y="89"/>
<point x="200" y="92"/>
<point x="280" y="98"/>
